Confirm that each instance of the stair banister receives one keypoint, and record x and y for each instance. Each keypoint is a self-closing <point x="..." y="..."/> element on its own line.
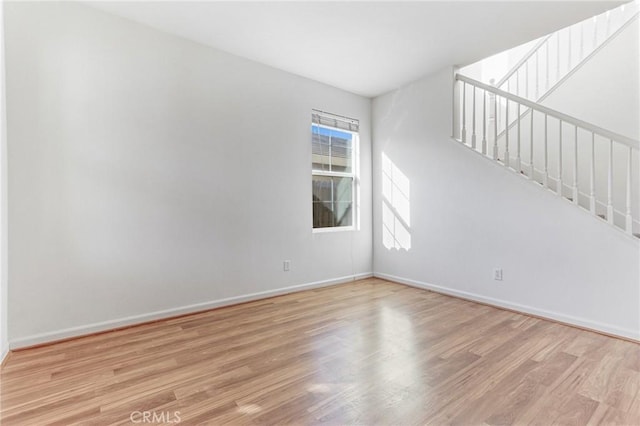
<point x="518" y="64"/>
<point x="558" y="56"/>
<point x="628" y="217"/>
<point x="464" y="113"/>
<point x="620" y="215"/>
<point x="581" y="43"/>
<point x="559" y="189"/>
<point x="532" y="170"/>
<point x="484" y="122"/>
<point x="610" y="185"/>
<point x="495" y="125"/>
<point x="507" y="156"/>
<point x="551" y="112"/>
<point x="595" y="31"/>
<point x="592" y="177"/>
<point x="518" y="160"/>
<point x="545" y="178"/>
<point x="569" y="43"/>
<point x="546" y="84"/>
<point x="537" y="77"/>
<point x="541" y="97"/>
<point x="473" y="121"/>
<point x="575" y="165"/>
<point x="572" y="47"/>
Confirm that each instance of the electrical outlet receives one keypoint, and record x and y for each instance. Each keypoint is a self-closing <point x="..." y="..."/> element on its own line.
<point x="497" y="274"/>
<point x="286" y="265"/>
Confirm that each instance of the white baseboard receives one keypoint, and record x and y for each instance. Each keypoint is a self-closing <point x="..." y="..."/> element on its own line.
<point x="52" y="336"/>
<point x="555" y="316"/>
<point x="4" y="352"/>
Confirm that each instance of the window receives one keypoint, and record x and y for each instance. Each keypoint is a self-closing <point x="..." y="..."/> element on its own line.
<point x="334" y="147"/>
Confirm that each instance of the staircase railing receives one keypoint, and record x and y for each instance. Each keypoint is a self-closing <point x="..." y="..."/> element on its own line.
<point x="550" y="90"/>
<point x="555" y="56"/>
<point x="591" y="166"/>
<point x="523" y="64"/>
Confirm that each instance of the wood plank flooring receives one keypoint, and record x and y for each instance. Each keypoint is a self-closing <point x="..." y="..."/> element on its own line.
<point x="371" y="352"/>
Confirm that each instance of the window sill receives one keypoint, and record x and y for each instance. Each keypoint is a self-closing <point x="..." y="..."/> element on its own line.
<point x="332" y="229"/>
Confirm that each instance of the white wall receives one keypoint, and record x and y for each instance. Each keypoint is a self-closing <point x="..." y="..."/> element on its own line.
<point x="4" y="341"/>
<point x="149" y="175"/>
<point x="464" y="215"/>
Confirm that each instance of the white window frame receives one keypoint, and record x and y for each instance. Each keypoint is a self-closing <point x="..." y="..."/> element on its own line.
<point x="355" y="182"/>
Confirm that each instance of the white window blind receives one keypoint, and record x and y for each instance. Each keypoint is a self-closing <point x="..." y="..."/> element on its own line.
<point x="335" y="121"/>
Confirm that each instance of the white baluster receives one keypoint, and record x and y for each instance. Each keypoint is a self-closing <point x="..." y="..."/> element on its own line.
<point x="592" y="179"/>
<point x="547" y="66"/>
<point x="608" y="23"/>
<point x="533" y="169"/>
<point x="610" y="185"/>
<point x="464" y="112"/>
<point x="473" y="125"/>
<point x="581" y="51"/>
<point x="517" y="92"/>
<point x="495" y="127"/>
<point x="506" y="134"/>
<point x="484" y="122"/>
<point x="595" y="32"/>
<point x="526" y="79"/>
<point x="558" y="56"/>
<point x="559" y="189"/>
<point x="629" y="219"/>
<point x="537" y="75"/>
<point x="545" y="177"/>
<point x="575" y="165"/>
<point x="518" y="160"/>
<point x="569" y="50"/>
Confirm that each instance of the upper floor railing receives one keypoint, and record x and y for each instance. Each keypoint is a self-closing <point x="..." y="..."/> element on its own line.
<point x="555" y="56"/>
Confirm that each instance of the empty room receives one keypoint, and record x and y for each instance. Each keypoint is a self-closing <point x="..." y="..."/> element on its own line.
<point x="301" y="212"/>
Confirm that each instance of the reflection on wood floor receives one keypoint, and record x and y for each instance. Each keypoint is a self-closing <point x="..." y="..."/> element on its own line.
<point x="369" y="352"/>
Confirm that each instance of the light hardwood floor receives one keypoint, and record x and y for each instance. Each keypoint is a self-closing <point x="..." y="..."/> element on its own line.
<point x="370" y="352"/>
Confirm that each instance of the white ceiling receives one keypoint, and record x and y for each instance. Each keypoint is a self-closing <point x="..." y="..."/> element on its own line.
<point x="363" y="47"/>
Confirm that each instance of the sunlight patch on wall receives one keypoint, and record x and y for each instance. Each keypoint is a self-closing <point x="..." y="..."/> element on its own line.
<point x="396" y="206"/>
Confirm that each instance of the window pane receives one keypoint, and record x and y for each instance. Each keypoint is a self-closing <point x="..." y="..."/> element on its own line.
<point x="343" y="199"/>
<point x="322" y="189"/>
<point x="342" y="187"/>
<point x="343" y="214"/>
<point x="320" y="151"/>
<point x="322" y="202"/>
<point x="331" y="149"/>
<point x="332" y="201"/>
<point x="340" y="151"/>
